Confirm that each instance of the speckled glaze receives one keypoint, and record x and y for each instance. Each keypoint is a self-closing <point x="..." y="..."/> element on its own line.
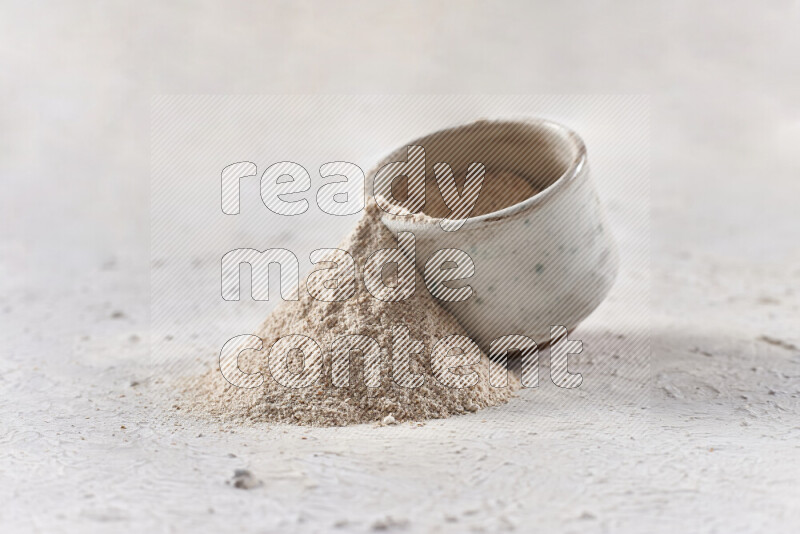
<point x="548" y="260"/>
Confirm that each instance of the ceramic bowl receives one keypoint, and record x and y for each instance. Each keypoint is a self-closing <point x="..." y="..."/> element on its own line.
<point x="547" y="260"/>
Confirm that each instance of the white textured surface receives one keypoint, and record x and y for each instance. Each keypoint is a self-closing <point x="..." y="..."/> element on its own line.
<point x="715" y="450"/>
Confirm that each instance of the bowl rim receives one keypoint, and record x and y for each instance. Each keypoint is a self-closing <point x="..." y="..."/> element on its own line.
<point x="570" y="174"/>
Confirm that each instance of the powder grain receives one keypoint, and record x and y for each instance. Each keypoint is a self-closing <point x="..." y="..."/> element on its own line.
<point x="500" y="189"/>
<point x="325" y="404"/>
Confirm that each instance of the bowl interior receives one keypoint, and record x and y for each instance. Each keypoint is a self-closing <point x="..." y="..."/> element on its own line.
<point x="537" y="152"/>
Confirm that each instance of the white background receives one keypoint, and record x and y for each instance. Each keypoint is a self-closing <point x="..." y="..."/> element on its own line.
<point x="715" y="450"/>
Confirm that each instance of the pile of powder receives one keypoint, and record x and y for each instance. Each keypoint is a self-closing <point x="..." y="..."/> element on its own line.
<point x="325" y="404"/>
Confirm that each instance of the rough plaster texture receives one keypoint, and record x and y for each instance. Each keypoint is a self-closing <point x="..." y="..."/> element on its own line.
<point x="714" y="448"/>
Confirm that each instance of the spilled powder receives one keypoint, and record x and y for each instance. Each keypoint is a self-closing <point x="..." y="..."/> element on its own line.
<point x="325" y="404"/>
